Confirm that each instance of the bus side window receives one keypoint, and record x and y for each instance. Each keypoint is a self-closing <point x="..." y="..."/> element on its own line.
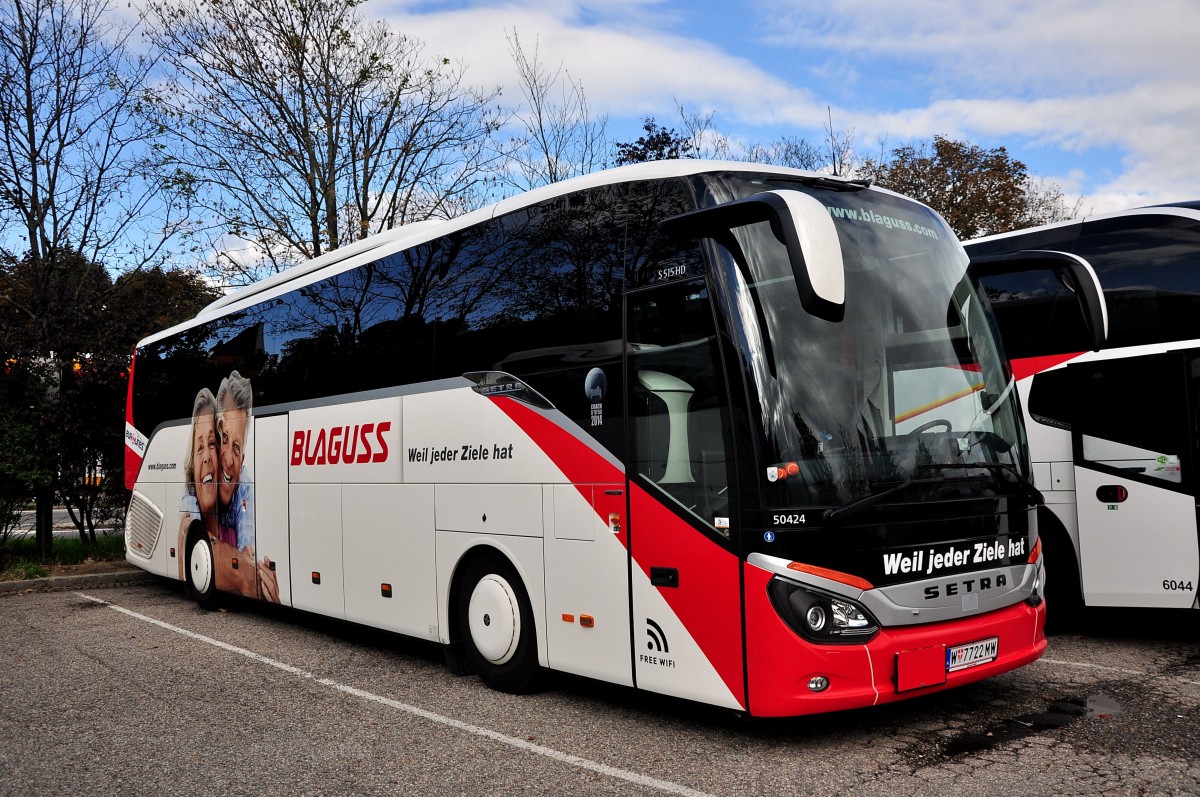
<point x="1149" y="278"/>
<point x="1052" y="397"/>
<point x="1036" y="313"/>
<point x="1129" y="414"/>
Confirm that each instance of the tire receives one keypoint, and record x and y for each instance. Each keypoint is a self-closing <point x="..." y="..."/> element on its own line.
<point x="1064" y="595"/>
<point x="496" y="624"/>
<point x="201" y="577"/>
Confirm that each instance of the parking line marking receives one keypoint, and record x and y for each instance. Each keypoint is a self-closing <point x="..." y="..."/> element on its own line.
<point x="1140" y="673"/>
<point x="1089" y="666"/>
<point x="511" y="741"/>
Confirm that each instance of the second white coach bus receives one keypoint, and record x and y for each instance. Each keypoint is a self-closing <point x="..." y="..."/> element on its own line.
<point x="1114" y="432"/>
<point x="738" y="434"/>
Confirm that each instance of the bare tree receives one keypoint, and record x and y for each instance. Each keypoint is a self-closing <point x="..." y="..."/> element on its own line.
<point x="1045" y="203"/>
<point x="303" y="126"/>
<point x="560" y="138"/>
<point x="73" y="185"/>
<point x="72" y="164"/>
<point x="841" y="148"/>
<point x="706" y="141"/>
<point x="836" y="156"/>
<point x="791" y="151"/>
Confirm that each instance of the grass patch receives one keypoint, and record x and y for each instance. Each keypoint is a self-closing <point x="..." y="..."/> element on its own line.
<point x="22" y="570"/>
<point x="65" y="551"/>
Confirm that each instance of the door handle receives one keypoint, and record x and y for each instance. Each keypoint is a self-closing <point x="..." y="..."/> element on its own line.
<point x="1111" y="494"/>
<point x="664" y="576"/>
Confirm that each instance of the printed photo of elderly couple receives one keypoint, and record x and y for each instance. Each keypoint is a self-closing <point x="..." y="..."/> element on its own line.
<point x="218" y="497"/>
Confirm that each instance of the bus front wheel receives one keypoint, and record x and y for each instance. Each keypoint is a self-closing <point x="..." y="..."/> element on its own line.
<point x="496" y="623"/>
<point x="1063" y="588"/>
<point x="201" y="572"/>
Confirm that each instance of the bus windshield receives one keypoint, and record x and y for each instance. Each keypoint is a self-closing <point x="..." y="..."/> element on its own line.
<point x="910" y="386"/>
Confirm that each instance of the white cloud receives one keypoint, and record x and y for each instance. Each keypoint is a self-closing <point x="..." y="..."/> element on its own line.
<point x="1062" y="74"/>
<point x="628" y="66"/>
<point x="1055" y="46"/>
<point x="1047" y="75"/>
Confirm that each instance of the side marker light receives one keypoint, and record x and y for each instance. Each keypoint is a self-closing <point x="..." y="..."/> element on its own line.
<point x="832" y="575"/>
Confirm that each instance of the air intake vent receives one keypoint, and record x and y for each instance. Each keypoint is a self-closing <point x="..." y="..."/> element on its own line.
<point x="142" y="526"/>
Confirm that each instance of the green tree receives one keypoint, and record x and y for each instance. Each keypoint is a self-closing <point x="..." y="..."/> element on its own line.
<point x="22" y="470"/>
<point x="68" y="332"/>
<point x="48" y="313"/>
<point x="978" y="191"/>
<point x="90" y="414"/>
<point x="74" y="190"/>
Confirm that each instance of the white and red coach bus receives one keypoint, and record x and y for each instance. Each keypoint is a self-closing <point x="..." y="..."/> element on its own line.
<point x="739" y="434"/>
<point x="1115" y="428"/>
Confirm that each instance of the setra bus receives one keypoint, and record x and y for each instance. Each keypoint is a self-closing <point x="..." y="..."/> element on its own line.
<point x="1115" y="428"/>
<point x="739" y="434"/>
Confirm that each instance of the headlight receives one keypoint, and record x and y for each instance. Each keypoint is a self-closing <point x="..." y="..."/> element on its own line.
<point x="1035" y="597"/>
<point x="815" y="616"/>
<point x="820" y="616"/>
<point x="849" y="616"/>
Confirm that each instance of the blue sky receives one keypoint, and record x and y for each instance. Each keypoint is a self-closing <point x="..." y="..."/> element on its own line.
<point x="1101" y="97"/>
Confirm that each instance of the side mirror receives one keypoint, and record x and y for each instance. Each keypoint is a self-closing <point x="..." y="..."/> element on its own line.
<point x="1075" y="272"/>
<point x="800" y="222"/>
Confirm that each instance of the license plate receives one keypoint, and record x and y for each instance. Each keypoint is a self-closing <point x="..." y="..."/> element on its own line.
<point x="960" y="657"/>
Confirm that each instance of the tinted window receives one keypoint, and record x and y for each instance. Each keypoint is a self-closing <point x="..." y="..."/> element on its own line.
<point x="168" y="373"/>
<point x="536" y="293"/>
<point x="1130" y="415"/>
<point x="1151" y="280"/>
<point x="1037" y="314"/>
<point x="1052" y="399"/>
<point x="677" y="401"/>
<point x="1150" y="276"/>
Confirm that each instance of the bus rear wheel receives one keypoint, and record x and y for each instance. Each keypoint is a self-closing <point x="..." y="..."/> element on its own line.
<point x="496" y="623"/>
<point x="201" y="570"/>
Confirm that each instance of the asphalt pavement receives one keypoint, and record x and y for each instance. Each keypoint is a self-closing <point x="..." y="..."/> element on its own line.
<point x="137" y="690"/>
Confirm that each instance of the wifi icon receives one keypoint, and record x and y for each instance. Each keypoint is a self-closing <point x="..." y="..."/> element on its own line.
<point x="658" y="639"/>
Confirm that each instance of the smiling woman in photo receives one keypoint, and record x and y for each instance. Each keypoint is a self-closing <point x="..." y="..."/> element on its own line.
<point x="199" y="501"/>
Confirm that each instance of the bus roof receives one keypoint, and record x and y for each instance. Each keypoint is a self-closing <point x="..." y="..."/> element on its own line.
<point x="1041" y="236"/>
<point x="408" y="235"/>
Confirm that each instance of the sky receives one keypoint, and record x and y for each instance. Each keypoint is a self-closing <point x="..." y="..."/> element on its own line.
<point x="1101" y="97"/>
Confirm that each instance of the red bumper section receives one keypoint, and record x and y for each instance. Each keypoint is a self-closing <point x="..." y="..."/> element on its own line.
<point x="897" y="663"/>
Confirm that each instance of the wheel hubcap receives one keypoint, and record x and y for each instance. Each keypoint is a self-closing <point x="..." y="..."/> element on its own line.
<point x="494" y="619"/>
<point x="202" y="567"/>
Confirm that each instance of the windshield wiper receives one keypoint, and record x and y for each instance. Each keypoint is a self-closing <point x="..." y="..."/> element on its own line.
<point x="836" y="183"/>
<point x="1027" y="487"/>
<point x="854" y="507"/>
